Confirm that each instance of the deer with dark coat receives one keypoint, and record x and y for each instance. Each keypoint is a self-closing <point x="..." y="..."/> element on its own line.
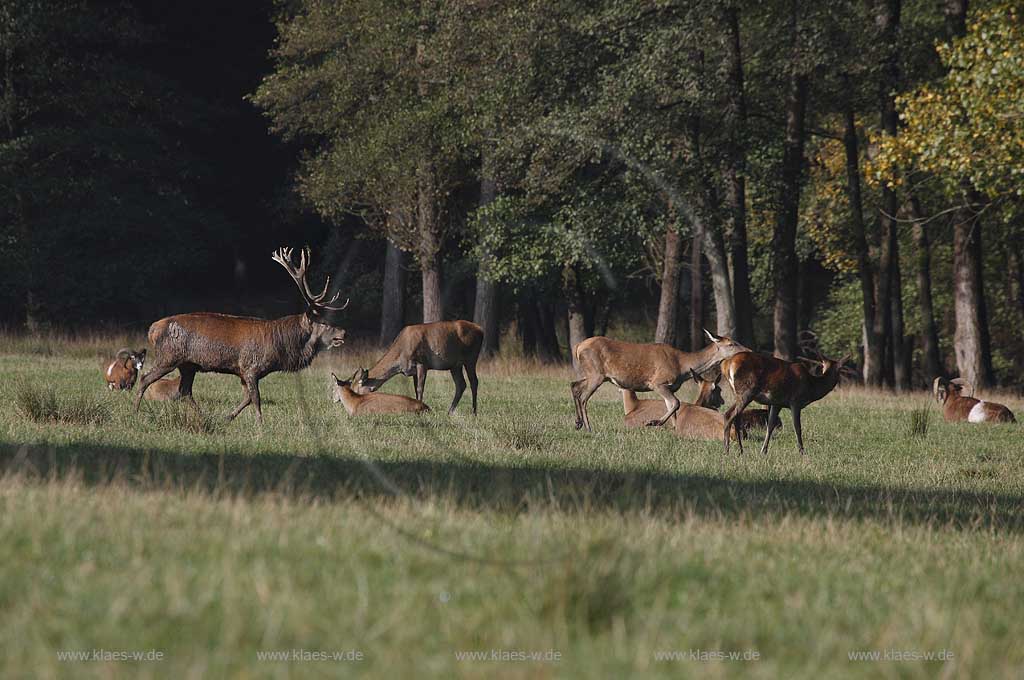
<point x="777" y="384"/>
<point x="247" y="347"/>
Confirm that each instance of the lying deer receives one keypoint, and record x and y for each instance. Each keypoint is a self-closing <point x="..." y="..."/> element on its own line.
<point x="958" y="408"/>
<point x="696" y="421"/>
<point x="777" y="384"/>
<point x="243" y="346"/>
<point x="639" y="412"/>
<point x="642" y="368"/>
<point x="165" y="389"/>
<point x="124" y="369"/>
<point x="451" y="346"/>
<point x="378" y="402"/>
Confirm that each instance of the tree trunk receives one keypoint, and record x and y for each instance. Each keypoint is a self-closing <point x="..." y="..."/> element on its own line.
<point x="872" y="348"/>
<point x="735" y="120"/>
<point x="668" y="305"/>
<point x="547" y="334"/>
<point x="725" y="311"/>
<point x="901" y="355"/>
<point x="683" y="320"/>
<point x="392" y="314"/>
<point x="574" y="299"/>
<point x="931" y="366"/>
<point x="696" y="291"/>
<point x="485" y="308"/>
<point x="428" y="224"/>
<point x="967" y="341"/>
<point x="784" y="236"/>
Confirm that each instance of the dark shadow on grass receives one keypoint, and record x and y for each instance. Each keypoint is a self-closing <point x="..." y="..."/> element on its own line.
<point x="510" y="490"/>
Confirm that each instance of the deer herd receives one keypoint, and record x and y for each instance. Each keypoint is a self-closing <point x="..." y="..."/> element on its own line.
<point x="252" y="348"/>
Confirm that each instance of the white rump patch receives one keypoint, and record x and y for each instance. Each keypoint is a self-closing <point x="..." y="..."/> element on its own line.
<point x="110" y="370"/>
<point x="977" y="414"/>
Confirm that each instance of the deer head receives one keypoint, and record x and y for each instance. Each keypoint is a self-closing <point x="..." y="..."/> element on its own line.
<point x="316" y="305"/>
<point x="339" y="386"/>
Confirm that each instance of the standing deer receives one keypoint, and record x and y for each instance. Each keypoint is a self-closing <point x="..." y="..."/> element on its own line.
<point x="642" y="368"/>
<point x="249" y="348"/>
<point x="439" y="346"/>
<point x="958" y="408"/>
<point x="777" y="384"/>
<point x="124" y="369"/>
<point x="364" y="404"/>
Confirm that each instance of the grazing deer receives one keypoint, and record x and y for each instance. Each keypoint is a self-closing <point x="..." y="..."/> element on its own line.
<point x="639" y="412"/>
<point x="777" y="384"/>
<point x="957" y="408"/>
<point x="364" y="404"/>
<point x="165" y="389"/>
<point x="642" y="368"/>
<point x="243" y="346"/>
<point x="703" y="421"/>
<point x="124" y="369"/>
<point x="439" y="346"/>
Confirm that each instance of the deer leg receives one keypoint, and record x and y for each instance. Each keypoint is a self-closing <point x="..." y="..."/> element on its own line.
<point x="796" y="426"/>
<point x="473" y="382"/>
<point x="671" y="404"/>
<point x="773" y="413"/>
<point x="254" y="395"/>
<point x="188" y="374"/>
<point x="460" y="387"/>
<point x="150" y="378"/>
<point x="421" y="381"/>
<point x="245" y="402"/>
<point x="730" y="418"/>
<point x="576" y="388"/>
<point x="585" y="395"/>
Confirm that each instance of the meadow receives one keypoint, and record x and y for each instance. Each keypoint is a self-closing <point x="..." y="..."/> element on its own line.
<point x="408" y="545"/>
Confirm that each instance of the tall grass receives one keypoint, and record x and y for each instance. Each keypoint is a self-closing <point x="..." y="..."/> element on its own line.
<point x="43" y="403"/>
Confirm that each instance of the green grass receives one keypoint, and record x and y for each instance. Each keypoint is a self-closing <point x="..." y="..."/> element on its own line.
<point x="411" y="539"/>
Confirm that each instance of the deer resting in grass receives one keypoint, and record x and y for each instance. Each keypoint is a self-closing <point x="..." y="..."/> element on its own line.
<point x="243" y="346"/>
<point x="639" y="412"/>
<point x="777" y="384"/>
<point x="451" y="346"/>
<point x="165" y="389"/>
<point x="377" y="402"/>
<point x="124" y="369"/>
<point x="958" y="408"/>
<point x="642" y="368"/>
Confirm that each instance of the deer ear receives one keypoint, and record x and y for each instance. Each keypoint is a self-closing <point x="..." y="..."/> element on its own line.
<point x="335" y="377"/>
<point x="711" y="336"/>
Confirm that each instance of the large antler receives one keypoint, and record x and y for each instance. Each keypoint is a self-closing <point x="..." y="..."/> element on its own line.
<point x="283" y="256"/>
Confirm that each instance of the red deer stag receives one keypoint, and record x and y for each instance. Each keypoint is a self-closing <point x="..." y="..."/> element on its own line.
<point x="777" y="384"/>
<point x="365" y="404"/>
<point x="124" y="369"/>
<point x="642" y="368"/>
<point x="439" y="346"/>
<point x="243" y="346"/>
<point x="958" y="408"/>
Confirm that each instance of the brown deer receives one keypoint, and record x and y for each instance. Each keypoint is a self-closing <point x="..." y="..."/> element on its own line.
<point x="439" y="346"/>
<point x="703" y="421"/>
<point x="243" y="346"/>
<point x="958" y="408"/>
<point x="639" y="412"/>
<point x="165" y="389"/>
<point x="653" y="367"/>
<point x="777" y="384"/>
<point x="365" y="404"/>
<point x="124" y="369"/>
